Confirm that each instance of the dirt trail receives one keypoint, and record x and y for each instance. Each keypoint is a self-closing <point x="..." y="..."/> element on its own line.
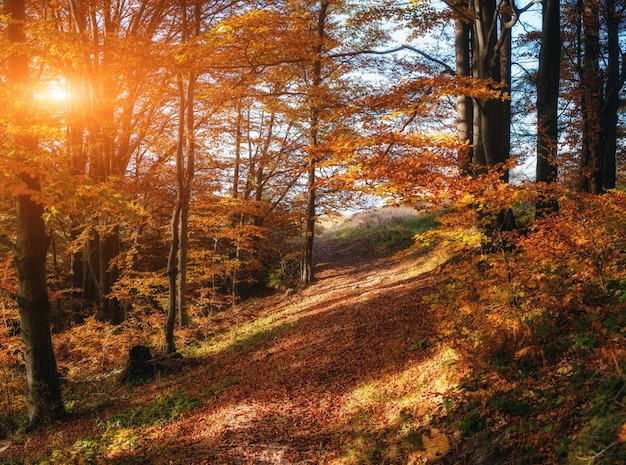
<point x="290" y="403"/>
<point x="285" y="394"/>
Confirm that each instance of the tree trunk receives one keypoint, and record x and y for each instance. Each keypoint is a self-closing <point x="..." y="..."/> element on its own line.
<point x="31" y="246"/>
<point x="183" y="250"/>
<point x="504" y="118"/>
<point x="464" y="106"/>
<point x="489" y="63"/>
<point x="173" y="261"/>
<point x="492" y="118"/>
<point x="109" y="308"/>
<point x="237" y="164"/>
<point x="591" y="83"/>
<point x="307" y="269"/>
<point x="614" y="83"/>
<point x="185" y="184"/>
<point x="599" y="93"/>
<point x="44" y="389"/>
<point x="76" y="153"/>
<point x="547" y="101"/>
<point x="172" y="274"/>
<point x="185" y="166"/>
<point x="316" y="83"/>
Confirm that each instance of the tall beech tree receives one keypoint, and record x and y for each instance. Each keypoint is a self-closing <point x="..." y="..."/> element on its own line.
<point x="32" y="242"/>
<point x="307" y="53"/>
<point x="185" y="168"/>
<point x="599" y="90"/>
<point x="491" y="62"/>
<point x="464" y="104"/>
<point x="548" y="99"/>
<point x="315" y="109"/>
<point x="483" y="32"/>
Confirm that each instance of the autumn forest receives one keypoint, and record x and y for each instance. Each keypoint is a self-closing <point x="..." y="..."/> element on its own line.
<point x="313" y="232"/>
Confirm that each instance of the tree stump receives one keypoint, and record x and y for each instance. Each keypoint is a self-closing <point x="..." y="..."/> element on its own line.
<point x="140" y="367"/>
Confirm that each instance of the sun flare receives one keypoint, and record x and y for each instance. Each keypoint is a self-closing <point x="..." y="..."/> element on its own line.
<point x="57" y="94"/>
<point x="52" y="94"/>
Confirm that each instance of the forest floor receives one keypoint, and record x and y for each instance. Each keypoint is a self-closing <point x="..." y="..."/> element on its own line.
<point x="357" y="368"/>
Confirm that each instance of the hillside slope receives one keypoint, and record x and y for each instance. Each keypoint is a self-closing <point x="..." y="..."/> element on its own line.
<point x="361" y="367"/>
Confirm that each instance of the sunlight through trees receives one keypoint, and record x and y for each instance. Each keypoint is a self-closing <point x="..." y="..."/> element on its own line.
<point x="167" y="161"/>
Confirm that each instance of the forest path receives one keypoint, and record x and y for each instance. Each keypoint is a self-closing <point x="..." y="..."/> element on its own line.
<point x="288" y="391"/>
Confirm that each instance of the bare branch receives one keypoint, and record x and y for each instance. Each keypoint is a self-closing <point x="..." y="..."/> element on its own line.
<point x="447" y="67"/>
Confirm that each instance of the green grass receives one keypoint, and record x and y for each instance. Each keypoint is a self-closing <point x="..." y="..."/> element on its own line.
<point x="247" y="336"/>
<point x="157" y="411"/>
<point x="258" y="338"/>
<point x="383" y="234"/>
<point x="598" y="441"/>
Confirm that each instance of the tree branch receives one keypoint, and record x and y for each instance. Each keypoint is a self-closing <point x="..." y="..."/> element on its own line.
<point x="353" y="53"/>
<point x="395" y="50"/>
<point x="506" y="27"/>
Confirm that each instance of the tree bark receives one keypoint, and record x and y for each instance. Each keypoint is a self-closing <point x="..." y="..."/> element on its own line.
<point x="591" y="83"/>
<point x="172" y="274"/>
<point x="44" y="388"/>
<point x="31" y="246"/>
<point x="316" y="83"/>
<point x="238" y="141"/>
<point x="490" y="60"/>
<point x="600" y="90"/>
<point x="547" y="101"/>
<point x="185" y="166"/>
<point x="464" y="106"/>
<point x="185" y="187"/>
<point x="614" y="83"/>
<point x="492" y="117"/>
<point x="109" y="308"/>
<point x="173" y="261"/>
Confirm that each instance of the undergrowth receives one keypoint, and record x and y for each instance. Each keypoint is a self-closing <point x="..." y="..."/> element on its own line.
<point x="126" y="432"/>
<point x="543" y="323"/>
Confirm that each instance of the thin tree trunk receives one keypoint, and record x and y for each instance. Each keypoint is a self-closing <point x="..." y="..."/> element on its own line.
<point x="504" y="118"/>
<point x="237" y="165"/>
<point x="76" y="153"/>
<point x="307" y="269"/>
<point x="185" y="187"/>
<point x="172" y="274"/>
<point x="108" y="273"/>
<point x="235" y="193"/>
<point x="177" y="259"/>
<point x="173" y="258"/>
<point x="183" y="249"/>
<point x="186" y="165"/>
